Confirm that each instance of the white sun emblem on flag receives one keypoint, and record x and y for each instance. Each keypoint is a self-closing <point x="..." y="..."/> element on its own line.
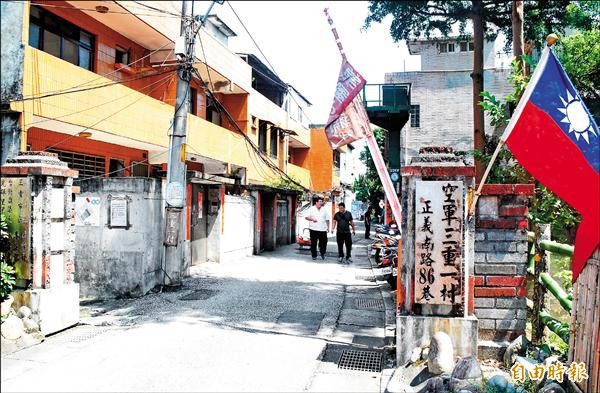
<point x="577" y="117"/>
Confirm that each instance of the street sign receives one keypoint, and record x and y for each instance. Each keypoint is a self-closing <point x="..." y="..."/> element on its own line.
<point x="175" y="194"/>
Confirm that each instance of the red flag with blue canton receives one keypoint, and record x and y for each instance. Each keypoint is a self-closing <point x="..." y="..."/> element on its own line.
<point x="554" y="137"/>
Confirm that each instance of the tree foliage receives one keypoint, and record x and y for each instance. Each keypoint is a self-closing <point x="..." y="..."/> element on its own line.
<point x="427" y="19"/>
<point x="580" y="56"/>
<point x="368" y="186"/>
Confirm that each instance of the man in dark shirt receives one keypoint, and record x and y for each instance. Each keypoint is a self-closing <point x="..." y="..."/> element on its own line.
<point x="343" y="221"/>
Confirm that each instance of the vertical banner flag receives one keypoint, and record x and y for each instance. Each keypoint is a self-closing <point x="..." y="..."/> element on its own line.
<point x="554" y="137"/>
<point x="348" y="122"/>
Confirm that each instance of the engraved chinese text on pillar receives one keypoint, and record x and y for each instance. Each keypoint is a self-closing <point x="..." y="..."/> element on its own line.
<point x="438" y="242"/>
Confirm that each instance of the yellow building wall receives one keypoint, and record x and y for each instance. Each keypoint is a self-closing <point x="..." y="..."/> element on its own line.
<point x="122" y="112"/>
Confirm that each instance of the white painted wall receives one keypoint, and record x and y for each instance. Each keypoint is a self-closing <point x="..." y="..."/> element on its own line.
<point x="444" y="90"/>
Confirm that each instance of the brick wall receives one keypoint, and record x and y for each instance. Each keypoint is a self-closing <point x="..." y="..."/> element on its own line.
<point x="446" y="108"/>
<point x="501" y="260"/>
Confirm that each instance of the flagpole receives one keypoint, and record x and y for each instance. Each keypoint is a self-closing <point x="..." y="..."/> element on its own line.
<point x="485" y="176"/>
<point x="335" y="34"/>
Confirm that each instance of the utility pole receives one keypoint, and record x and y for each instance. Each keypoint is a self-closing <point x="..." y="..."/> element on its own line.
<point x="175" y="199"/>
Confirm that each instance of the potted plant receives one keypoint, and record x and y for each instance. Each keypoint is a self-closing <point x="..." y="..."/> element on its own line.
<point x="7" y="273"/>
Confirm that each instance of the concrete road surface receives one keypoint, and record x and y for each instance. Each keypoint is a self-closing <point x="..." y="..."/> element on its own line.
<point x="277" y="322"/>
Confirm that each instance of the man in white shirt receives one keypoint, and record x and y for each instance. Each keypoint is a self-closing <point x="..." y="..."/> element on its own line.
<point x="318" y="218"/>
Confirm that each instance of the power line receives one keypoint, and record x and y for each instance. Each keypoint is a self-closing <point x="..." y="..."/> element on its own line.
<point x="158" y="9"/>
<point x="267" y="60"/>
<point x="101" y="120"/>
<point x="256" y="149"/>
<point x="166" y="13"/>
<point x="68" y="91"/>
<point x="99" y="105"/>
<point x="114" y="71"/>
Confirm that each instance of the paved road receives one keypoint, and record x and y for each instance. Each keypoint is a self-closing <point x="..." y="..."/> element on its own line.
<point x="274" y="322"/>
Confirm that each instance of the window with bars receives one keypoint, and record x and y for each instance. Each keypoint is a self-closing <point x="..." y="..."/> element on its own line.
<point x="60" y="38"/>
<point x="415" y="116"/>
<point x="139" y="169"/>
<point x="87" y="165"/>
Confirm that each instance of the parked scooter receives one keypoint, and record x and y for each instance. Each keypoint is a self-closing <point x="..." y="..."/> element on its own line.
<point x="384" y="249"/>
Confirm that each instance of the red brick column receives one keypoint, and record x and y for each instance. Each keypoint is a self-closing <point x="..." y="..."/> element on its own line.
<point x="501" y="260"/>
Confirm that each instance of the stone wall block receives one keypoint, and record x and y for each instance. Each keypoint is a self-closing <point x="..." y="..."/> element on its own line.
<point x="495" y="269"/>
<point x="508" y="257"/>
<point x="495" y="313"/>
<point x="483" y="302"/>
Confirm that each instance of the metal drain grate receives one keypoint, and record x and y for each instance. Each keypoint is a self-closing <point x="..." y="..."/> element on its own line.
<point x="365" y="278"/>
<point x="199" y="294"/>
<point x="368" y="304"/>
<point x="79" y="335"/>
<point x="361" y="360"/>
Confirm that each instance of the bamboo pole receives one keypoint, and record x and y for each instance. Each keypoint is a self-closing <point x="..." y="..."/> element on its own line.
<point x="485" y="176"/>
<point x="556" y="290"/>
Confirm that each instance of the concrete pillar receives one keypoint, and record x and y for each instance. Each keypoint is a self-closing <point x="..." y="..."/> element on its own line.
<point x="437" y="253"/>
<point x="41" y="199"/>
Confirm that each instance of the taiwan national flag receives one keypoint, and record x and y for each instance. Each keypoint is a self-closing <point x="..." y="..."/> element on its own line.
<point x="554" y="137"/>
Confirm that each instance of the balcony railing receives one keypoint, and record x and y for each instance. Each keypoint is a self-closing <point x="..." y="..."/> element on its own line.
<point x="391" y="97"/>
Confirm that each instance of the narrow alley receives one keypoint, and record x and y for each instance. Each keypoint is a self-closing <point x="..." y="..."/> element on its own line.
<point x="275" y="322"/>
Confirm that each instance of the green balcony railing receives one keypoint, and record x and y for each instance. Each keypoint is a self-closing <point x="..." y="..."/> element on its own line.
<point x="390" y="97"/>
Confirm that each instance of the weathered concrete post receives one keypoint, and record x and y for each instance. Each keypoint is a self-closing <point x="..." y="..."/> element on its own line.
<point x="437" y="254"/>
<point x="37" y="199"/>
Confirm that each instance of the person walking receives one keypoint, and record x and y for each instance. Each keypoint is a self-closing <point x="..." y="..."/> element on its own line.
<point x="368" y="222"/>
<point x="343" y="221"/>
<point x="318" y="218"/>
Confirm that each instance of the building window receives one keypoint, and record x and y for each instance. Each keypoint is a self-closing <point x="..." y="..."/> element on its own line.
<point x="56" y="36"/>
<point x="471" y="46"/>
<point x="415" y="116"/>
<point x="116" y="168"/>
<point x="121" y="56"/>
<point x="274" y="142"/>
<point x="466" y="46"/>
<point x="336" y="162"/>
<point x="139" y="169"/>
<point x="262" y="136"/>
<point x="450" y="47"/>
<point x="87" y="165"/>
<point x="443" y="47"/>
<point x="193" y="101"/>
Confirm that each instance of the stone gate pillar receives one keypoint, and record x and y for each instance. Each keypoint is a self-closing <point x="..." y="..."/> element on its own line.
<point x="37" y="199"/>
<point x="435" y="284"/>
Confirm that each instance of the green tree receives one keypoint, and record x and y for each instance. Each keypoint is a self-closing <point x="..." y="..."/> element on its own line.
<point x="580" y="56"/>
<point x="368" y="186"/>
<point x="416" y="19"/>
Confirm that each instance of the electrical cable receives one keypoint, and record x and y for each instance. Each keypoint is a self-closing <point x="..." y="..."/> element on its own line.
<point x="158" y="9"/>
<point x="266" y="59"/>
<point x="116" y="70"/>
<point x="252" y="38"/>
<point x="167" y="14"/>
<point x="99" y="86"/>
<point x="97" y="106"/>
<point x="259" y="153"/>
<point x="100" y="121"/>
